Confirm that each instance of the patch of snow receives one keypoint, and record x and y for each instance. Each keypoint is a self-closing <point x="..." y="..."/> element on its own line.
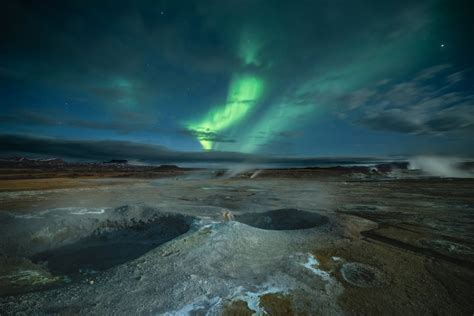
<point x="198" y="305"/>
<point x="253" y="298"/>
<point x="84" y="211"/>
<point x="312" y="264"/>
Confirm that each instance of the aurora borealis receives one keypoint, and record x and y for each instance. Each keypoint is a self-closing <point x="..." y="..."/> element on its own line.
<point x="244" y="93"/>
<point x="245" y="90"/>
<point x="286" y="78"/>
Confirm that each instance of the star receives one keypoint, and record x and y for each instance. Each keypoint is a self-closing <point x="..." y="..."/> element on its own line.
<point x="442" y="45"/>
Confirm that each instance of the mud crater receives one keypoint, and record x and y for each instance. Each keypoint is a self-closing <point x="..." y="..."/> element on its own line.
<point x="113" y="244"/>
<point x="361" y="275"/>
<point x="283" y="219"/>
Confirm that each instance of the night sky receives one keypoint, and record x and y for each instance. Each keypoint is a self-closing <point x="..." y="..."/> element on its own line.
<point x="272" y="78"/>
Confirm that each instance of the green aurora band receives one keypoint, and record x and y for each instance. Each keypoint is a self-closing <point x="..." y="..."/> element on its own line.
<point x="244" y="93"/>
<point x="297" y="105"/>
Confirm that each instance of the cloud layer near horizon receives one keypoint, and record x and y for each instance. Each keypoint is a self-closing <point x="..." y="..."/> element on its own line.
<point x="98" y="150"/>
<point x="104" y="150"/>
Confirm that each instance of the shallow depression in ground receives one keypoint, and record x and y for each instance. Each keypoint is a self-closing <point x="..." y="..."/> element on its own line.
<point x="283" y="219"/>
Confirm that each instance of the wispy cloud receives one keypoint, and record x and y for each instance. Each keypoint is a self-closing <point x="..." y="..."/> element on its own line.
<point x="431" y="103"/>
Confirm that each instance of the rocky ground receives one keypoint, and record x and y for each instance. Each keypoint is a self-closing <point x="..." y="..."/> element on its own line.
<point x="278" y="242"/>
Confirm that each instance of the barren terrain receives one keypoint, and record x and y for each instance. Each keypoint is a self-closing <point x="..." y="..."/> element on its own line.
<point x="291" y="241"/>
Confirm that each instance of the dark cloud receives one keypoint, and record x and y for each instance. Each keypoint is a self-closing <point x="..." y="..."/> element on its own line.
<point x="12" y="145"/>
<point x="100" y="150"/>
<point x="97" y="150"/>
<point x="208" y="136"/>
